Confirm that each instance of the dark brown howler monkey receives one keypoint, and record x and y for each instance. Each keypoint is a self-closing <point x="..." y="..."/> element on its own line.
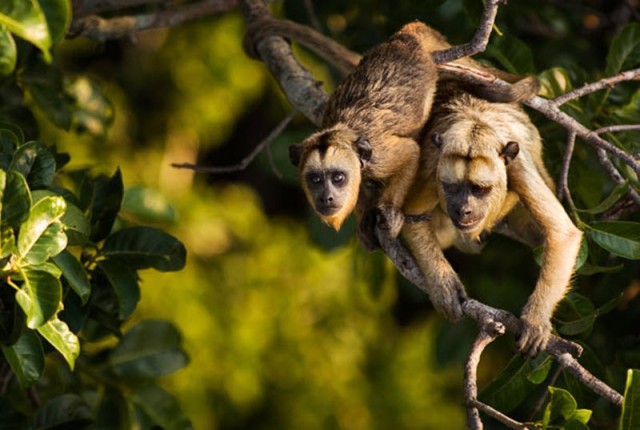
<point x="371" y="124"/>
<point x="482" y="170"/>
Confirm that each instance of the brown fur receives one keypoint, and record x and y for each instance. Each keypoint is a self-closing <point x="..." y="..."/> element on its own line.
<point x="494" y="150"/>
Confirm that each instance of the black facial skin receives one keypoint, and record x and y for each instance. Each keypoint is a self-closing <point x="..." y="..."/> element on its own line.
<point x="326" y="188"/>
<point x="466" y="204"/>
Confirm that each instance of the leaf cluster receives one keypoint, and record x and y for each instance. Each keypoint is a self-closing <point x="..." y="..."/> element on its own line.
<point x="69" y="280"/>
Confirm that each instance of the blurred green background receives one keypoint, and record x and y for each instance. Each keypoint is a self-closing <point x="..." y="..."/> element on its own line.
<point x="288" y="324"/>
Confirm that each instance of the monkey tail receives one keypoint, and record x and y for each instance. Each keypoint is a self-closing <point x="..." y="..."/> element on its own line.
<point x="329" y="50"/>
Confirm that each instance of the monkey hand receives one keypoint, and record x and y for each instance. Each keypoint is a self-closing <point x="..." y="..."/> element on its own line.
<point x="447" y="294"/>
<point x="534" y="335"/>
<point x="390" y="219"/>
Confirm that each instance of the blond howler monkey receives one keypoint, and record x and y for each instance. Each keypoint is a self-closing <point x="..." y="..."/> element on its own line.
<point x="371" y="124"/>
<point x="481" y="169"/>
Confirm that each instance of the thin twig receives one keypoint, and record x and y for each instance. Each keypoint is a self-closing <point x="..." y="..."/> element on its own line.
<point x="246" y="160"/>
<point x="592" y="87"/>
<point x="489" y="331"/>
<point x="563" y="182"/>
<point x="478" y="42"/>
<point x="311" y="13"/>
<point x="497" y="415"/>
<point x="567" y="361"/>
<point x="541" y="401"/>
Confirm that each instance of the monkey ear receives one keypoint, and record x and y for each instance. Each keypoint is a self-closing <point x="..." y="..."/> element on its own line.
<point x="436" y="139"/>
<point x="363" y="147"/>
<point x="510" y="151"/>
<point x="295" y="152"/>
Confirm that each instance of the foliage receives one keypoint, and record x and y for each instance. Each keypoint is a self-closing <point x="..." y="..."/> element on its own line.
<point x="325" y="336"/>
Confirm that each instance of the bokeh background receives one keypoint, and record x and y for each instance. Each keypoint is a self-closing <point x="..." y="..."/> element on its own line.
<point x="288" y="324"/>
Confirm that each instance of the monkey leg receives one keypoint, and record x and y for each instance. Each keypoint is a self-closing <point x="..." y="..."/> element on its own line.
<point x="561" y="245"/>
<point x="398" y="160"/>
<point x="444" y="287"/>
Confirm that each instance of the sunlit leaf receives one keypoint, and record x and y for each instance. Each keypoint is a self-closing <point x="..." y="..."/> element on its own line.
<point x="25" y="19"/>
<point x="150" y="349"/>
<point x="76" y="225"/>
<point x="57" y="333"/>
<point x="143" y="247"/>
<point x="621" y="238"/>
<point x="124" y="282"/>
<point x="58" y="15"/>
<point x="52" y="241"/>
<point x="161" y="407"/>
<point x="42" y="215"/>
<point x="39" y="297"/>
<point x="68" y="411"/>
<point x="561" y="406"/>
<point x="555" y="82"/>
<point x="92" y="112"/>
<point x="631" y="405"/>
<point x="8" y="53"/>
<point x="26" y="358"/>
<point x="624" y="52"/>
<point x="74" y="273"/>
<point x="148" y="204"/>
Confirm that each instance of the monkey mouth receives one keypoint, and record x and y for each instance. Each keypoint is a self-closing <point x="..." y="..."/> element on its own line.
<point x="327" y="210"/>
<point x="466" y="224"/>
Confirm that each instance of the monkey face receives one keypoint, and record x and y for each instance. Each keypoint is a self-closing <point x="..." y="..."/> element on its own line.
<point x="329" y="163"/>
<point x="472" y="180"/>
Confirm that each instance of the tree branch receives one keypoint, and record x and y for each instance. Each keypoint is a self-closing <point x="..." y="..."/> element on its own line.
<point x="610" y="82"/>
<point x="102" y="29"/>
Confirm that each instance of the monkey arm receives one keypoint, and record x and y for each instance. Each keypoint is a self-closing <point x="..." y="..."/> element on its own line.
<point x="561" y="245"/>
<point x="395" y="163"/>
<point x="444" y="287"/>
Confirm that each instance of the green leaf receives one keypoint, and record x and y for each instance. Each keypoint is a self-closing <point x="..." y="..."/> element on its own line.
<point x="35" y="163"/>
<point x="39" y="297"/>
<point x="104" y="196"/>
<point x="42" y="215"/>
<point x="45" y="85"/>
<point x="561" y="407"/>
<point x="147" y="204"/>
<point x="57" y="333"/>
<point x="16" y="200"/>
<point x="150" y="349"/>
<point x="631" y="406"/>
<point x="624" y="52"/>
<point x="510" y="387"/>
<point x="25" y="19"/>
<point x="618" y="192"/>
<point x="74" y="273"/>
<point x="11" y="317"/>
<point x="8" y="53"/>
<point x="161" y="407"/>
<point x="68" y="411"/>
<point x="26" y="358"/>
<point x="113" y="412"/>
<point x="76" y="225"/>
<point x="555" y="82"/>
<point x="541" y="370"/>
<point x="143" y="247"/>
<point x="621" y="238"/>
<point x="58" y="15"/>
<point x="52" y="241"/>
<point x="124" y="282"/>
<point x="512" y="54"/>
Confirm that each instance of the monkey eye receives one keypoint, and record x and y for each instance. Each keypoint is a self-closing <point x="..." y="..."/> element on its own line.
<point x="338" y="178"/>
<point x="314" y="178"/>
<point x="480" y="191"/>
